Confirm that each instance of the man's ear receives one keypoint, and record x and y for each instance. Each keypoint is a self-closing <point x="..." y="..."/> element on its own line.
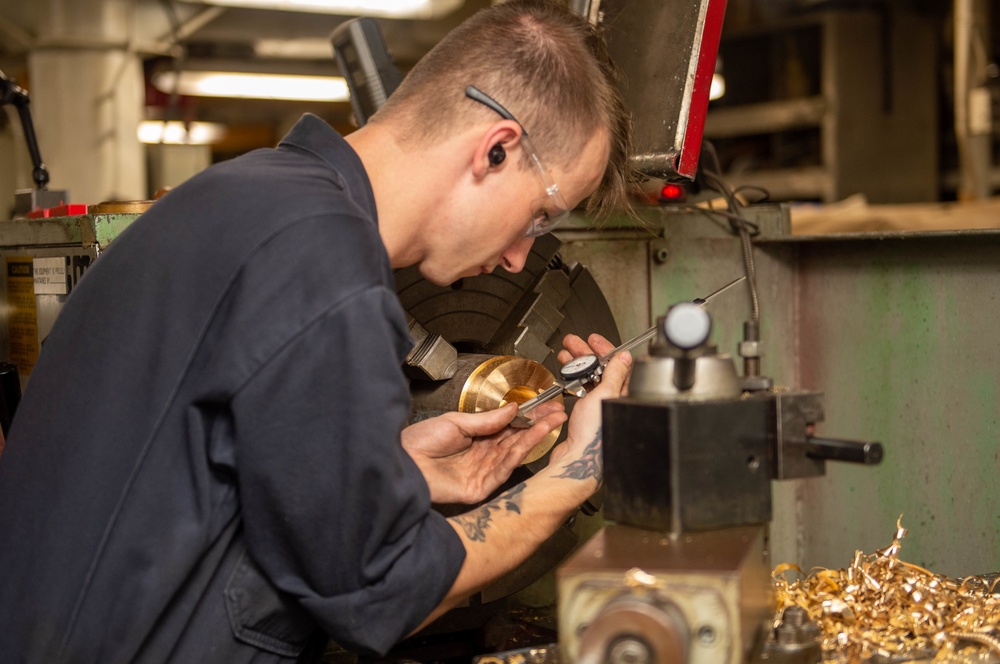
<point x="494" y="147"/>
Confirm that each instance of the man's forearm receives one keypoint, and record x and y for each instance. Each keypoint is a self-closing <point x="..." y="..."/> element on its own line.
<point x="501" y="534"/>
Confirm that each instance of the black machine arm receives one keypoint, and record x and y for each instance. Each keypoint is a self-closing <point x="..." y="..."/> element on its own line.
<point x="11" y="93"/>
<point x="869" y="453"/>
<point x="364" y="60"/>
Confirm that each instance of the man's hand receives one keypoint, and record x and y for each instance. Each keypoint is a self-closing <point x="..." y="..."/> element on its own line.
<point x="464" y="457"/>
<point x="581" y="452"/>
<point x="502" y="533"/>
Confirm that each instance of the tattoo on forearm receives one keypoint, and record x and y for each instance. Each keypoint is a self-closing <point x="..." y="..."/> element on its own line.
<point x="476" y="523"/>
<point x="589" y="464"/>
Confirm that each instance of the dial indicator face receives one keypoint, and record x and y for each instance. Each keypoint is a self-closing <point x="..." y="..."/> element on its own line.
<point x="579" y="367"/>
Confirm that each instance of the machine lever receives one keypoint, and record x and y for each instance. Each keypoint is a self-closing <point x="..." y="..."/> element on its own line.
<point x="869" y="453"/>
<point x="10" y="93"/>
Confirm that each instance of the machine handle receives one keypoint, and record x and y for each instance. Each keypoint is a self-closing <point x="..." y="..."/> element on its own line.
<point x="39" y="172"/>
<point x="869" y="453"/>
<point x="10" y="93"/>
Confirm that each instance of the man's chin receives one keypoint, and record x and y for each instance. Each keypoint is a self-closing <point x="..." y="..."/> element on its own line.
<point x="448" y="279"/>
<point x="442" y="279"/>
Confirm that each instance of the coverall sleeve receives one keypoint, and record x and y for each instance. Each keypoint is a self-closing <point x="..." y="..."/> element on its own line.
<point x="336" y="514"/>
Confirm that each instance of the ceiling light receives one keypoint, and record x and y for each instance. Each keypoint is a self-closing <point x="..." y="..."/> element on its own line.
<point x="302" y="48"/>
<point x="253" y="86"/>
<point x="425" y="9"/>
<point x="180" y="133"/>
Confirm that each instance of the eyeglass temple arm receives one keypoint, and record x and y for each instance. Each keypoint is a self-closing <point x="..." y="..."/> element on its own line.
<point x="475" y="94"/>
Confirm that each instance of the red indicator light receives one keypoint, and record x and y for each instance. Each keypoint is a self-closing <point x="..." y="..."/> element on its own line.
<point x="672" y="192"/>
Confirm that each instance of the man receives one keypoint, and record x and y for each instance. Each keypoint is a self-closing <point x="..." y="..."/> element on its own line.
<point x="206" y="466"/>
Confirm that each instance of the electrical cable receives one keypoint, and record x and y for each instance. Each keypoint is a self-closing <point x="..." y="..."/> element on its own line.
<point x="739" y="223"/>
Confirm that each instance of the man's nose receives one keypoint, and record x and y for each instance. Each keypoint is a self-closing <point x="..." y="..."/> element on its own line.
<point x="514" y="258"/>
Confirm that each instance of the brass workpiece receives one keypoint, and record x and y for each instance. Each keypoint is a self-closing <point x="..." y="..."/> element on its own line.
<point x="883" y="608"/>
<point x="507" y="379"/>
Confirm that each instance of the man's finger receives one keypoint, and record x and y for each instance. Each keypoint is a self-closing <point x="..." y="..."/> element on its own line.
<point x="485" y="423"/>
<point x="547" y="408"/>
<point x="575" y="346"/>
<point x="522" y="442"/>
<point x="599" y="344"/>
<point x="615" y="375"/>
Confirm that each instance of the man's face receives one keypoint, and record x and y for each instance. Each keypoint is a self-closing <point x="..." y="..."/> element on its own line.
<point x="494" y="235"/>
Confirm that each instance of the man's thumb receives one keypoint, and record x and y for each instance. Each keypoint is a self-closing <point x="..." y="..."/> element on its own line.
<point x="487" y="422"/>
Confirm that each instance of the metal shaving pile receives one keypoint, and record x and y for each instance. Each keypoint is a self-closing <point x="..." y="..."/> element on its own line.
<point x="885" y="609"/>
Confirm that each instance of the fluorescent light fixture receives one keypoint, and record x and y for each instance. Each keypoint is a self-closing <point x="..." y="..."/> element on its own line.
<point x="253" y="86"/>
<point x="386" y="8"/>
<point x="718" y="86"/>
<point x="180" y="133"/>
<point x="302" y="48"/>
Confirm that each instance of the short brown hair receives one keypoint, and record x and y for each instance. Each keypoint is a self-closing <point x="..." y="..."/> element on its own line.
<point x="549" y="67"/>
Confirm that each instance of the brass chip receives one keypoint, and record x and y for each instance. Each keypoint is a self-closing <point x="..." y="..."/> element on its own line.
<point x="886" y="608"/>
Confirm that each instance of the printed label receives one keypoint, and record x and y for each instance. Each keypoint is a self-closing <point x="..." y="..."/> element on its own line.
<point x="50" y="276"/>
